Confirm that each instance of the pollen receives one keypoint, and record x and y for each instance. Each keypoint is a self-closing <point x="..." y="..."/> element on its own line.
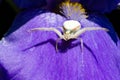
<point x="73" y="10"/>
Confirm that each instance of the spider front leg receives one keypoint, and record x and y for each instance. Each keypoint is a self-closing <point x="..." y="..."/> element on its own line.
<point x="54" y="30"/>
<point x="49" y="29"/>
<point x="83" y="30"/>
<point x="79" y="32"/>
<point x="56" y="46"/>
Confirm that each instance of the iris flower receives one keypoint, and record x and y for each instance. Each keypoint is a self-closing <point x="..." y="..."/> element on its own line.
<point x="32" y="55"/>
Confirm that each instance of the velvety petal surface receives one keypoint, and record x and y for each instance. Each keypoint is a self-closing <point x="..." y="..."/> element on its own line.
<point x="32" y="55"/>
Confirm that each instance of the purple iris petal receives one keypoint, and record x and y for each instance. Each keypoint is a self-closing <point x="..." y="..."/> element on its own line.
<point x="118" y="44"/>
<point x="32" y="55"/>
<point x="104" y="22"/>
<point x="101" y="6"/>
<point x="30" y="3"/>
<point x="91" y="5"/>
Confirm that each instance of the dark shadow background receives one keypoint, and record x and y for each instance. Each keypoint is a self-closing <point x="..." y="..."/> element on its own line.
<point x="114" y="17"/>
<point x="7" y="15"/>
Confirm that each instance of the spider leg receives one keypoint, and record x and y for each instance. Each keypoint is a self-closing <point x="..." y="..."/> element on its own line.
<point x="49" y="29"/>
<point x="81" y="44"/>
<point x="56" y="46"/>
<point x="61" y="28"/>
<point x="78" y="33"/>
<point x="82" y="53"/>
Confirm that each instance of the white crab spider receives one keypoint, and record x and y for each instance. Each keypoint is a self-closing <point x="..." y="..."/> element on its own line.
<point x="71" y="30"/>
